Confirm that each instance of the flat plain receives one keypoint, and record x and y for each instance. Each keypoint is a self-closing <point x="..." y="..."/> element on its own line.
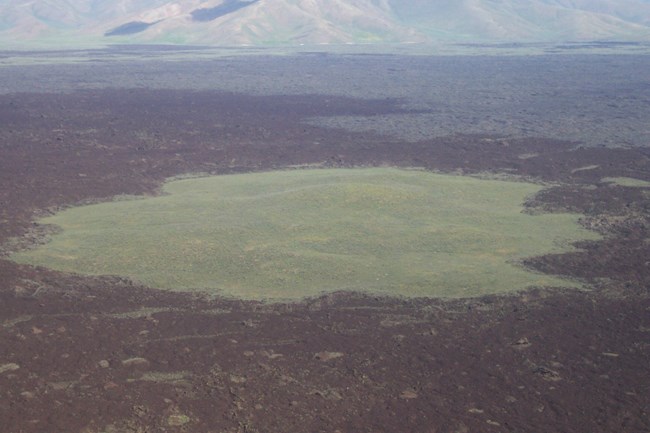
<point x="288" y="235"/>
<point x="106" y="354"/>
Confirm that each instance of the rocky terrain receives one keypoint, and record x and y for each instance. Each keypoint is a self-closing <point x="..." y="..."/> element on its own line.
<point x="102" y="354"/>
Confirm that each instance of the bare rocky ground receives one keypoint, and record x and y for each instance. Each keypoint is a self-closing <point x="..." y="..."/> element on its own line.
<point x="81" y="354"/>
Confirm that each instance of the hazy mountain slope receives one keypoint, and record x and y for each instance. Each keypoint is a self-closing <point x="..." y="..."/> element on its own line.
<point x="69" y="13"/>
<point x="526" y="20"/>
<point x="324" y="21"/>
<point x="24" y="20"/>
<point x="289" y="21"/>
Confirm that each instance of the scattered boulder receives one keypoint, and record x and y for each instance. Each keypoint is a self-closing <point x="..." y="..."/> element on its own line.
<point x="177" y="420"/>
<point x="237" y="379"/>
<point x="327" y="356"/>
<point x="110" y="385"/>
<point x="271" y="355"/>
<point x="522" y="343"/>
<point x="328" y="394"/>
<point x="27" y="395"/>
<point x="135" y="362"/>
<point x="547" y="373"/>
<point x="408" y="395"/>
<point x="8" y="367"/>
<point x="249" y="323"/>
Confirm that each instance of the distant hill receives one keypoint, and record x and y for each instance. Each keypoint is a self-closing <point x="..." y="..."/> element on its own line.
<point x="268" y="22"/>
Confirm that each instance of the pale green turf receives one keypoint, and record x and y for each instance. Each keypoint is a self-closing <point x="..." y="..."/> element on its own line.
<point x="627" y="181"/>
<point x="290" y="234"/>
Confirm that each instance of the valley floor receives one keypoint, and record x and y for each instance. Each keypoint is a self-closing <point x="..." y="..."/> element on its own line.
<point x="100" y="354"/>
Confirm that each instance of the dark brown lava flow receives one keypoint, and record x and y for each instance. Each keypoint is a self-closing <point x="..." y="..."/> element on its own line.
<point x="80" y="354"/>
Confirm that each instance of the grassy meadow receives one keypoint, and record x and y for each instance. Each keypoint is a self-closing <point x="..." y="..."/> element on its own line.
<point x="291" y="234"/>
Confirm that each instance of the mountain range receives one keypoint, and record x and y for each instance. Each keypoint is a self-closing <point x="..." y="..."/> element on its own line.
<point x="294" y="22"/>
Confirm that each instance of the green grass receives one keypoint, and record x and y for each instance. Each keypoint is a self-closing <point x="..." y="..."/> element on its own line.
<point x="291" y="234"/>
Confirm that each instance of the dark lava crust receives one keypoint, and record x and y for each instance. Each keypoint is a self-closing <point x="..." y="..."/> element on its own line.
<point x="80" y="354"/>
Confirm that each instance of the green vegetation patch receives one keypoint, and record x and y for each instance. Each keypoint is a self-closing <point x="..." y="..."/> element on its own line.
<point x="290" y="234"/>
<point x="627" y="181"/>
